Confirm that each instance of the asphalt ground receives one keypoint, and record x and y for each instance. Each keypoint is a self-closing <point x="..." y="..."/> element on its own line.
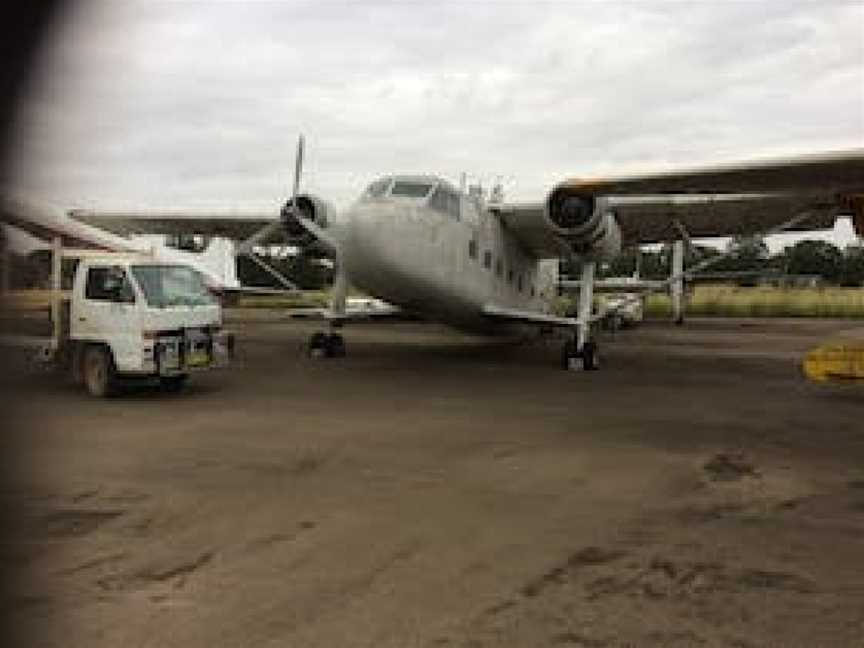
<point x="438" y="490"/>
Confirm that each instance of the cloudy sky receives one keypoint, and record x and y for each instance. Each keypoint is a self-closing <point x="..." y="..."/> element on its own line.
<point x="200" y="103"/>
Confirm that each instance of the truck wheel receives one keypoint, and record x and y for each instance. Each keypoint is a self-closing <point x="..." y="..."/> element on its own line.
<point x="172" y="384"/>
<point x="77" y="366"/>
<point x="100" y="378"/>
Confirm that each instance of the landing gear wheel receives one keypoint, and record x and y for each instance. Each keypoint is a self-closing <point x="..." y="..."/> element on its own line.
<point x="588" y="359"/>
<point x="173" y="384"/>
<point x="335" y="346"/>
<point x="317" y="345"/>
<point x="326" y="345"/>
<point x="100" y="377"/>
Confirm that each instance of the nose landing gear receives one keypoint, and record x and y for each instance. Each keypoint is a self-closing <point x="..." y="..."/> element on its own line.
<point x="326" y="345"/>
<point x="574" y="359"/>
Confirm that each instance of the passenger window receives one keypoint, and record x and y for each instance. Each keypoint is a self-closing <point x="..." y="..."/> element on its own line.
<point x="487" y="259"/>
<point x="472" y="249"/>
<point x="109" y="284"/>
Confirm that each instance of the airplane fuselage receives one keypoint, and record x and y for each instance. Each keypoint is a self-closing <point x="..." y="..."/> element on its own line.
<point x="439" y="254"/>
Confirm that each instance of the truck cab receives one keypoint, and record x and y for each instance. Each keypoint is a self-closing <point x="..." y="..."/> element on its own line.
<point x="138" y="317"/>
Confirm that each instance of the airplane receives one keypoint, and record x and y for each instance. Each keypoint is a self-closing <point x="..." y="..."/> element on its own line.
<point x="423" y="245"/>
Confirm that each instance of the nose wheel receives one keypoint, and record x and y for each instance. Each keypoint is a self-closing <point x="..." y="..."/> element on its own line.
<point x="326" y="345"/>
<point x="574" y="359"/>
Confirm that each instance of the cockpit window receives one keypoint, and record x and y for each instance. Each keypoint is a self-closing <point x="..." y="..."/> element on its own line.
<point x="378" y="188"/>
<point x="406" y="189"/>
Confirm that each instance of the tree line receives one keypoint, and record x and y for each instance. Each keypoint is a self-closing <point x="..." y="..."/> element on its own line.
<point x="836" y="266"/>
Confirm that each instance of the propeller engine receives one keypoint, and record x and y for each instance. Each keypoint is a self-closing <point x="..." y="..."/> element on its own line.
<point x="304" y="207"/>
<point x="585" y="222"/>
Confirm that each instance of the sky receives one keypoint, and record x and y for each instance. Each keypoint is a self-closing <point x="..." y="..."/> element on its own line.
<point x="173" y="104"/>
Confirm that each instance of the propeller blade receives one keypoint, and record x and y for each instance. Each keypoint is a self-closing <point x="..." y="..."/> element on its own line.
<point x="298" y="169"/>
<point x="269" y="230"/>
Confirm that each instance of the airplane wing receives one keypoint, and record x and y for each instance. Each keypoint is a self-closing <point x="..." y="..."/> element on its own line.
<point x="724" y="200"/>
<point x="836" y="172"/>
<point x="254" y="227"/>
<point x="228" y="224"/>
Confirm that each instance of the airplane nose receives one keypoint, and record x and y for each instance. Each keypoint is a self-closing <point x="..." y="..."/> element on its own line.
<point x="375" y="245"/>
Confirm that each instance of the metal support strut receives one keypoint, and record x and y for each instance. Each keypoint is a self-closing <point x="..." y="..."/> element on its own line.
<point x="676" y="287"/>
<point x="338" y="293"/>
<point x="332" y="344"/>
<point x="586" y="299"/>
<point x="56" y="290"/>
<point x="580" y="351"/>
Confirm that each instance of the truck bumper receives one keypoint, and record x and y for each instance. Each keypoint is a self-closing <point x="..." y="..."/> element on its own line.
<point x="193" y="352"/>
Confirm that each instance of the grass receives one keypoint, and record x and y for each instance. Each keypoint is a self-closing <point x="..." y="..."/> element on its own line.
<point x="732" y="301"/>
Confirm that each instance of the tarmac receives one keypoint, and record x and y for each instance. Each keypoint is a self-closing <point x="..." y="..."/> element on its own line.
<point x="437" y="490"/>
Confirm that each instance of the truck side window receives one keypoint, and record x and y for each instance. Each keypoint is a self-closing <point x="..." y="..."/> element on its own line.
<point x="108" y="284"/>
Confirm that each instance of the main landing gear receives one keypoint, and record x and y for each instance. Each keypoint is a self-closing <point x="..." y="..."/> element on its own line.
<point x="326" y="345"/>
<point x="580" y="351"/>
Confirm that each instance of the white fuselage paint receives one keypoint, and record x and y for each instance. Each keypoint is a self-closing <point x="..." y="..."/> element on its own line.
<point x="419" y="258"/>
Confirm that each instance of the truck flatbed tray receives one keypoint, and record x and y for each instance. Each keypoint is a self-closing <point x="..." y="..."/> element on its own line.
<point x="24" y="341"/>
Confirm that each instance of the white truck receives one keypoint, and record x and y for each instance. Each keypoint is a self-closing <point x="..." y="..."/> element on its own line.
<point x="131" y="316"/>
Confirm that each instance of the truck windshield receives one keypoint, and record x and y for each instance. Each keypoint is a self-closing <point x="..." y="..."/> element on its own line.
<point x="172" y="285"/>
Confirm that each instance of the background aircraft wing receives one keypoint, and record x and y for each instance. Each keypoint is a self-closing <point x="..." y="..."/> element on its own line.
<point x="351" y="313"/>
<point x="228" y="224"/>
<point x="493" y="311"/>
<point x="724" y="200"/>
<point x="45" y="222"/>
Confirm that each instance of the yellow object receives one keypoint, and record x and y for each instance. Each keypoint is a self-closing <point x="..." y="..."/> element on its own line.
<point x="836" y="361"/>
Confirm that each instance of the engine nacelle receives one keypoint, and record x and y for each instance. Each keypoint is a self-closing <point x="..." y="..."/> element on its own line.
<point x="585" y="223"/>
<point x="310" y="208"/>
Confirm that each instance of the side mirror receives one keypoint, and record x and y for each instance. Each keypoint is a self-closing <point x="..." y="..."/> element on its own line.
<point x="125" y="294"/>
